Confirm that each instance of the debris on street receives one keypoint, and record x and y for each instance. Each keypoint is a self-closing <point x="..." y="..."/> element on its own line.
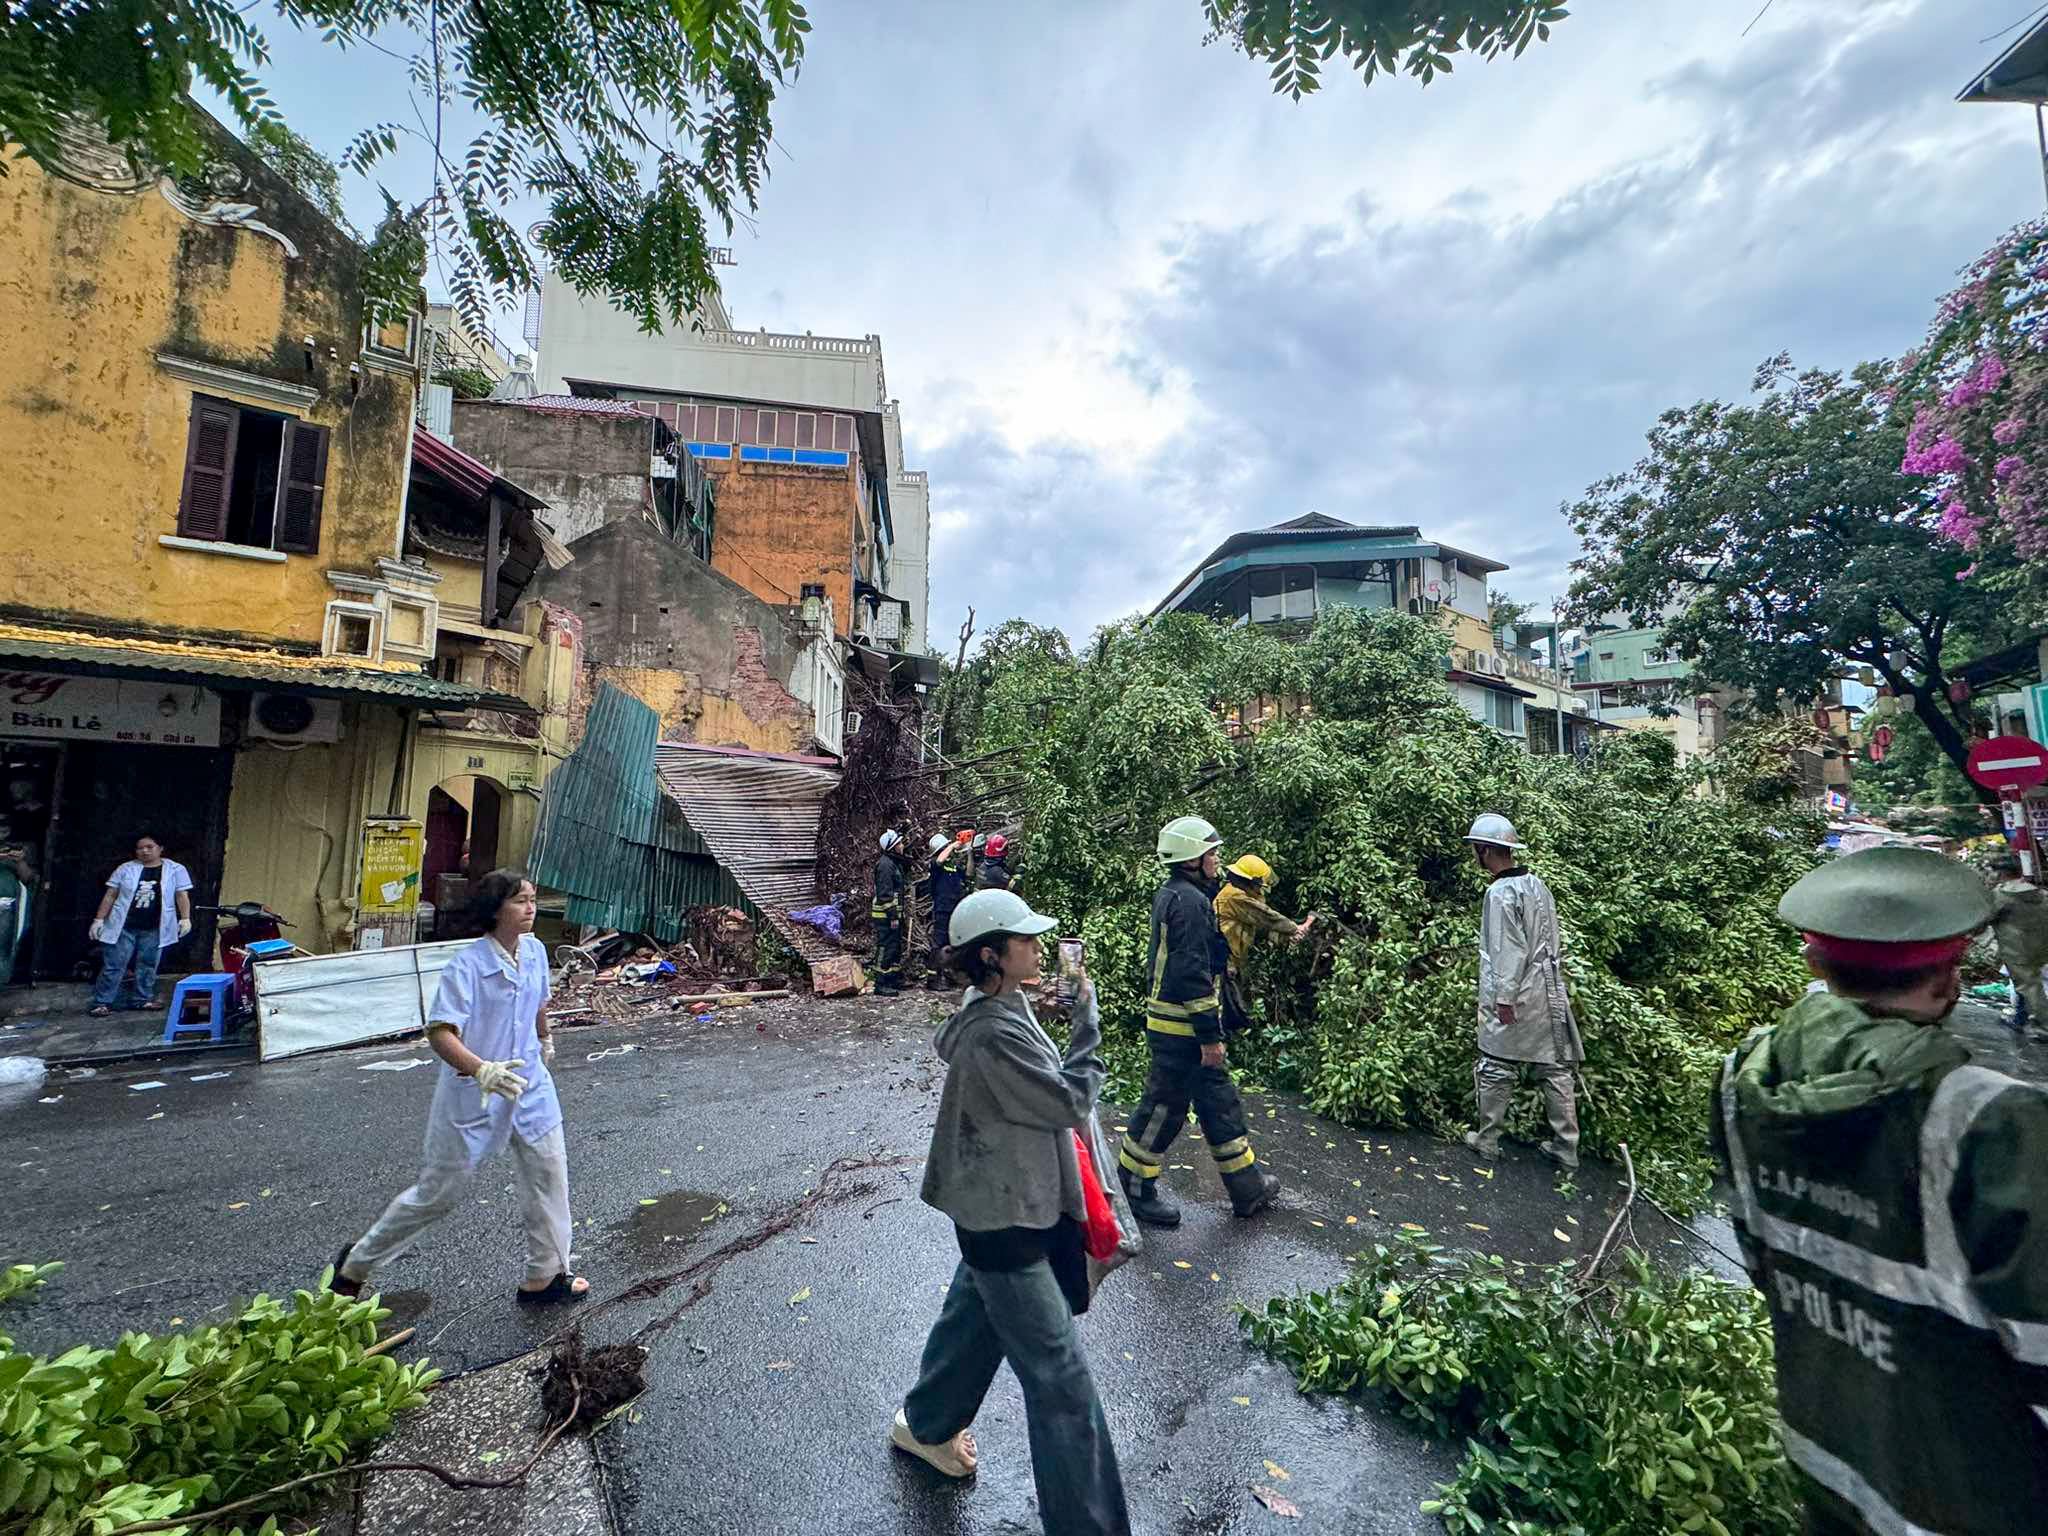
<point x="612" y="977"/>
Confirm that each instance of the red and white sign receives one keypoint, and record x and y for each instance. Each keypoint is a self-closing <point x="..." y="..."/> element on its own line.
<point x="49" y="704"/>
<point x="2008" y="763"/>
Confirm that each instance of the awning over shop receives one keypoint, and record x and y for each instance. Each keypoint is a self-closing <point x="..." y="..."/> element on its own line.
<point x="246" y="669"/>
<point x="758" y="814"/>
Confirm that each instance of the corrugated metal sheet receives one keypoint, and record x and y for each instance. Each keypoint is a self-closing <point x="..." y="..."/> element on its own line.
<point x="609" y="838"/>
<point x="180" y="660"/>
<point x="758" y="815"/>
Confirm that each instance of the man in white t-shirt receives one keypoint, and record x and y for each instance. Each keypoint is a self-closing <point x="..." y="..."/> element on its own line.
<point x="145" y="909"/>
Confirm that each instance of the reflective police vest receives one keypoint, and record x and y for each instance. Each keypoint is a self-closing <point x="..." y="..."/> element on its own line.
<point x="1910" y="1408"/>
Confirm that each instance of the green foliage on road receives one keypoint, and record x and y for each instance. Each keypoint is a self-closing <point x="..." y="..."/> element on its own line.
<point x="25" y="1279"/>
<point x="1643" y="1405"/>
<point x="1666" y="880"/>
<point x="95" y="1439"/>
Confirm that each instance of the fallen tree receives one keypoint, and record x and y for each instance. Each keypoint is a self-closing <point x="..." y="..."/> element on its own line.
<point x="1359" y="790"/>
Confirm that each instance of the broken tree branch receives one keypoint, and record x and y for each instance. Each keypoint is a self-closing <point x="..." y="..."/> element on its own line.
<point x="1600" y="1255"/>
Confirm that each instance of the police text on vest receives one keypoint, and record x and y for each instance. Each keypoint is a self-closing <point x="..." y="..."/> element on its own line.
<point x="1840" y="1320"/>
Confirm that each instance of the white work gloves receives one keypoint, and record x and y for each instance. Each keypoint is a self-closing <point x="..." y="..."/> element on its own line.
<point x="547" y="1050"/>
<point x="98" y="931"/>
<point x="499" y="1078"/>
<point x="184" y="926"/>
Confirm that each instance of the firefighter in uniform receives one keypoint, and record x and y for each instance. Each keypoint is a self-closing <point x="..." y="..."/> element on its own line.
<point x="1184" y="1027"/>
<point x="1892" y="1206"/>
<point x="993" y="872"/>
<point x="949" y="875"/>
<point x="1244" y="917"/>
<point x="890" y="914"/>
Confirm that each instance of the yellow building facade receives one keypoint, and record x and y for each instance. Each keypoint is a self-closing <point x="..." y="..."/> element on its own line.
<point x="207" y="629"/>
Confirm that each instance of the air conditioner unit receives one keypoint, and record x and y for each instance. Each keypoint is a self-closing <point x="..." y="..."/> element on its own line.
<point x="293" y="717"/>
<point x="1496" y="664"/>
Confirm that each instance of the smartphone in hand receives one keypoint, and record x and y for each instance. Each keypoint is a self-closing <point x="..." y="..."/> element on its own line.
<point x="1073" y="958"/>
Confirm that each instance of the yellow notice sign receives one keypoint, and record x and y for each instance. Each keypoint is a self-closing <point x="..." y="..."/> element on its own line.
<point x="391" y="866"/>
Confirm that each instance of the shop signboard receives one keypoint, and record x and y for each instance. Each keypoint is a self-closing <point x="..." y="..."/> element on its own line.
<point x="62" y="706"/>
<point x="392" y="847"/>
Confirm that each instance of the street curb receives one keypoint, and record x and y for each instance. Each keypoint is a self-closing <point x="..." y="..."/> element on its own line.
<point x="485" y="1425"/>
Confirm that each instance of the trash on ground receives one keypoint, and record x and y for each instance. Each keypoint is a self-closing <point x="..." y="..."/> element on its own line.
<point x="26" y="1070"/>
<point x="209" y="1077"/>
<point x="154" y="1082"/>
<point x="384" y="1066"/>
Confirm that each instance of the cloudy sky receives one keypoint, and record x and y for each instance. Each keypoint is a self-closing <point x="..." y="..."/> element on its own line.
<point x="1132" y="302"/>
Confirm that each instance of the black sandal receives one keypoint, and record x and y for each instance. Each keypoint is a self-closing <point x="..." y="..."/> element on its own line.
<point x="340" y="1284"/>
<point x="561" y="1288"/>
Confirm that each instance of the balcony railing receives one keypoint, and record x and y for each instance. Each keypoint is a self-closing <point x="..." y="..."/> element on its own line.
<point x="809" y="345"/>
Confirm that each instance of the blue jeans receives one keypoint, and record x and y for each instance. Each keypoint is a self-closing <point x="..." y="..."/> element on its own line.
<point x="140" y="946"/>
<point x="1020" y="1315"/>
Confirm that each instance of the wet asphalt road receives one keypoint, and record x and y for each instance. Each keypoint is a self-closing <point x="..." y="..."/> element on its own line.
<point x="770" y="1396"/>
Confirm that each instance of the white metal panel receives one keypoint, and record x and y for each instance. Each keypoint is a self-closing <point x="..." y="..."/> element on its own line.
<point x="317" y="1002"/>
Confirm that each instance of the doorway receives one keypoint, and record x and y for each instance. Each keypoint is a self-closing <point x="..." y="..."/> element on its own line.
<point x="462" y="833"/>
<point x="106" y="795"/>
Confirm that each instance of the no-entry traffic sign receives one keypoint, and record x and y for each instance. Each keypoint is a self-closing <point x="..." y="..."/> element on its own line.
<point x="2008" y="763"/>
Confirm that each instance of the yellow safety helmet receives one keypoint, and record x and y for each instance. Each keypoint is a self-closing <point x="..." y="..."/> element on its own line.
<point x="1252" y="867"/>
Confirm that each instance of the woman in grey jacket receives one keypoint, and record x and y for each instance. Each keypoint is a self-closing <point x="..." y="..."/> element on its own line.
<point x="1003" y="1166"/>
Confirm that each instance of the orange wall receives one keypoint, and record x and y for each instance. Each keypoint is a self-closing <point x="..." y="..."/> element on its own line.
<point x="780" y="526"/>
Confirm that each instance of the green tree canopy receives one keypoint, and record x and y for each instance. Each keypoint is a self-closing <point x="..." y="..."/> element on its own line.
<point x="641" y="125"/>
<point x="1360" y="800"/>
<point x="1793" y="546"/>
<point x="1297" y="37"/>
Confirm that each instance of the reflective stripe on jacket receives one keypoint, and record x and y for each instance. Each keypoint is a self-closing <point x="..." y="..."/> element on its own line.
<point x="1186" y="976"/>
<point x="1243" y="916"/>
<point x="888" y="889"/>
<point x="1891" y="1209"/>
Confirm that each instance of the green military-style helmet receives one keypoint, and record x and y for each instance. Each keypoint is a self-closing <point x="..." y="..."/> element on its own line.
<point x="1185" y="839"/>
<point x="1888" y="896"/>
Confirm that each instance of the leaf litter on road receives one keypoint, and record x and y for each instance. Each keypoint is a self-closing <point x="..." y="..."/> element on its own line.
<point x="1276" y="1501"/>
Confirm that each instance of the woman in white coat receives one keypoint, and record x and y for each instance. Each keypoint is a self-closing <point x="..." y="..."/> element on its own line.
<point x="489" y="1026"/>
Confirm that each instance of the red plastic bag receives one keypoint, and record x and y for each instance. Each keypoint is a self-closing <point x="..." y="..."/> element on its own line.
<point x="1102" y="1235"/>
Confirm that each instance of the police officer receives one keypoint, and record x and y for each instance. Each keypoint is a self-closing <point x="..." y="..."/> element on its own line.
<point x="1891" y="1205"/>
<point x="1184" y="1027"/>
<point x="889" y="914"/>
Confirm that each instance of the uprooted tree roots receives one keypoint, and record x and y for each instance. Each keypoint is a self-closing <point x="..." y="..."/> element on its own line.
<point x="582" y="1387"/>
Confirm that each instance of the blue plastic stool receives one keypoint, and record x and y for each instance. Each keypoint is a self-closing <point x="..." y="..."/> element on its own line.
<point x="217" y="987"/>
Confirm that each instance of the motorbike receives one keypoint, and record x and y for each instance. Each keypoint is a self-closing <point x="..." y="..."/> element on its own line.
<point x="249" y="931"/>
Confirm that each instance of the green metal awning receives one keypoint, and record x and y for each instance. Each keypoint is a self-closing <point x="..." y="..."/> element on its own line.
<point x="23" y="647"/>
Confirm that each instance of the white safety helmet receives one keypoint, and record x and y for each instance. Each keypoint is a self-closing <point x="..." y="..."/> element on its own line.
<point x="1185" y="839"/>
<point x="991" y="912"/>
<point x="1497" y="830"/>
<point x="889" y="839"/>
<point x="935" y="842"/>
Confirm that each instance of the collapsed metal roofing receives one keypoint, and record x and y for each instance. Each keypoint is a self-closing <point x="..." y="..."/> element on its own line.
<point x="758" y="814"/>
<point x="610" y="840"/>
<point x="234" y="667"/>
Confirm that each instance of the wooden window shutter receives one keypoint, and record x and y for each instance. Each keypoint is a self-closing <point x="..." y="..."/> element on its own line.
<point x="304" y="490"/>
<point x="209" y="467"/>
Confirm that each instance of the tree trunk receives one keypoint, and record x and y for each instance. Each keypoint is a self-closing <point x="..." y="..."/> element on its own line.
<point x="1945" y="734"/>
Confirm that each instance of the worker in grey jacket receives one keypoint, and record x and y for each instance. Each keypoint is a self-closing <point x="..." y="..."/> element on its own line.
<point x="1525" y="1017"/>
<point x="1004" y="1166"/>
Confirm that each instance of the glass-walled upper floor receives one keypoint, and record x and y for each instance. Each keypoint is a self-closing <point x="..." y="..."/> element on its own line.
<point x="1268" y="594"/>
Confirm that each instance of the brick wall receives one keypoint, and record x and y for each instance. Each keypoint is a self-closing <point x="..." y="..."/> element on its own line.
<point x="782" y="525"/>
